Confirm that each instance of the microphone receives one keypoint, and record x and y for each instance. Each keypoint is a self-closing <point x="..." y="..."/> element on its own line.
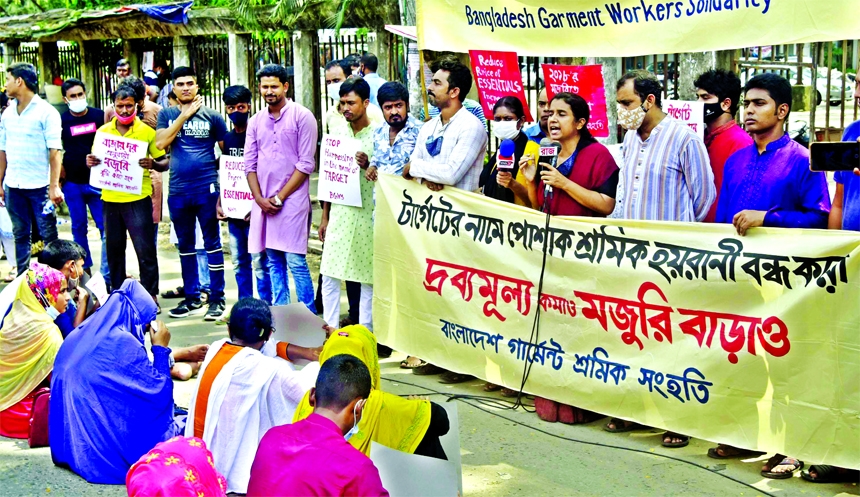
<point x="549" y="153"/>
<point x="505" y="156"/>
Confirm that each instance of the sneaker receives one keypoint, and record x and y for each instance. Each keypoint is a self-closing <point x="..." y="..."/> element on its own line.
<point x="187" y="308"/>
<point x="216" y="310"/>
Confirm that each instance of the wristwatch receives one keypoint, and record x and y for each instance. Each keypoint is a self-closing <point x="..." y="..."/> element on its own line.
<point x="277" y="201"/>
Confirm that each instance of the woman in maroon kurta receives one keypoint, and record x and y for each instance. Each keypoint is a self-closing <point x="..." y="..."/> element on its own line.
<point x="583" y="184"/>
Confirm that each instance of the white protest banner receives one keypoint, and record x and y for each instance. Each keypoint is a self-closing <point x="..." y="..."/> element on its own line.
<point x="339" y="180"/>
<point x="236" y="198"/>
<point x="690" y="113"/>
<point x="120" y="169"/>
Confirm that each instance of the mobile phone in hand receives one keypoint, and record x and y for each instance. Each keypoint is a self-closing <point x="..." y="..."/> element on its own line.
<point x="834" y="156"/>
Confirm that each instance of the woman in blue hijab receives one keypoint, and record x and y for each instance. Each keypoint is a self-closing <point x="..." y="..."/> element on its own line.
<point x="109" y="403"/>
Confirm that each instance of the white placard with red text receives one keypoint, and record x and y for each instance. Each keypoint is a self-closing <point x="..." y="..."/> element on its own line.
<point x="690" y="113"/>
<point x="120" y="169"/>
<point x="339" y="180"/>
<point x="236" y="197"/>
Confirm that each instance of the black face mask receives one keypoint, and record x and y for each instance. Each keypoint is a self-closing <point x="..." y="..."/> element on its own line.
<point x="238" y="118"/>
<point x="712" y="112"/>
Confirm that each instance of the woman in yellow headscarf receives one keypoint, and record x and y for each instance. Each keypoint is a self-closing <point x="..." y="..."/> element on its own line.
<point x="29" y="341"/>
<point x="408" y="425"/>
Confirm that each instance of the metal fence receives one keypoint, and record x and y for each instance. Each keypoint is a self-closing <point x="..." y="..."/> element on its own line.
<point x="69" y="61"/>
<point x="27" y="52"/>
<point x="107" y="53"/>
<point x="268" y="48"/>
<point x="664" y="66"/>
<point x="330" y="47"/>
<point x="210" y="60"/>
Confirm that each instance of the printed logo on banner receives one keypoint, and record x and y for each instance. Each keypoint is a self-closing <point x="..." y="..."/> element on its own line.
<point x="497" y="75"/>
<point x="690" y="113"/>
<point x="547" y="151"/>
<point x="585" y="81"/>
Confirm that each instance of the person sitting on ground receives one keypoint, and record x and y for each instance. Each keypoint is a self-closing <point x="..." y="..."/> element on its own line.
<point x="314" y="456"/>
<point x="67" y="257"/>
<point x="408" y="425"/>
<point x="29" y="341"/>
<point x="246" y="387"/>
<point x="109" y="403"/>
<point x="179" y="467"/>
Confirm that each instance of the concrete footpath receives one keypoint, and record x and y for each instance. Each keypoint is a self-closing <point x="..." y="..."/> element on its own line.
<point x="504" y="452"/>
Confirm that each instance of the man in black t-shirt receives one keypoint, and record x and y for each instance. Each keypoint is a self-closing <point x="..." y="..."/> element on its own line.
<point x="237" y="100"/>
<point x="80" y="123"/>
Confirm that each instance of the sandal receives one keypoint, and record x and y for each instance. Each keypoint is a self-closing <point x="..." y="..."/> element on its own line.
<point x="723" y="451"/>
<point x="492" y="387"/>
<point x="621" y="426"/>
<point x="452" y="378"/>
<point x="178" y="293"/>
<point x="427" y="369"/>
<point x="404" y="364"/>
<point x="509" y="393"/>
<point x="780" y="460"/>
<point x="830" y="474"/>
<point x="685" y="440"/>
<point x="11" y="276"/>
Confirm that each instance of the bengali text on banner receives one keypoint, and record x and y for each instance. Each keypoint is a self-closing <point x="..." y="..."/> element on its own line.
<point x="750" y="341"/>
<point x="589" y="28"/>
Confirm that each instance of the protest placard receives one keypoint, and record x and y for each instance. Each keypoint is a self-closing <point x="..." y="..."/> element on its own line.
<point x="690" y="113"/>
<point x="339" y="173"/>
<point x="120" y="169"/>
<point x="585" y="81"/>
<point x="497" y="75"/>
<point x="236" y="197"/>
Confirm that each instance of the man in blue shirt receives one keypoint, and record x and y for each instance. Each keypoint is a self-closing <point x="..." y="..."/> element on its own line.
<point x="538" y="131"/>
<point x="369" y="64"/>
<point x="845" y="213"/>
<point x="192" y="131"/>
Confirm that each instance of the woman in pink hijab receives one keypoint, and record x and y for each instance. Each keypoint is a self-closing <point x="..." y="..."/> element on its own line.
<point x="179" y="467"/>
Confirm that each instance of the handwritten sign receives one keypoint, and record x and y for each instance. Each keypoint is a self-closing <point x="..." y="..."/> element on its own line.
<point x="236" y="197"/>
<point x="585" y="81"/>
<point x="690" y="113"/>
<point x="120" y="170"/>
<point x="339" y="173"/>
<point x="497" y="75"/>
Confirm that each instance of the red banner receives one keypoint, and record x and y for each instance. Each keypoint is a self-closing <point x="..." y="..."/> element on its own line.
<point x="497" y="75"/>
<point x="585" y="81"/>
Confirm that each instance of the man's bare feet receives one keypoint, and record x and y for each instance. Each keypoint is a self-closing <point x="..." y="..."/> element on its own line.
<point x="195" y="353"/>
<point x="184" y="371"/>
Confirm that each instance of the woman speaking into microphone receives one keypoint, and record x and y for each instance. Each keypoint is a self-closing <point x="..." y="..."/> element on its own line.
<point x="584" y="181"/>
<point x="506" y="183"/>
<point x="582" y="184"/>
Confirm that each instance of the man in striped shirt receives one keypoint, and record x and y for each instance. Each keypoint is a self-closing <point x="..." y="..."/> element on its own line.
<point x="665" y="174"/>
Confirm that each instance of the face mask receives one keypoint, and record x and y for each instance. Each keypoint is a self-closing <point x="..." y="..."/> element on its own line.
<point x="505" y="130"/>
<point x="434" y="146"/>
<point x="712" y="112"/>
<point x="127" y="120"/>
<point x="53" y="313"/>
<point x="333" y="90"/>
<point x="238" y="118"/>
<point x="352" y="431"/>
<point x="78" y="106"/>
<point x="631" y="119"/>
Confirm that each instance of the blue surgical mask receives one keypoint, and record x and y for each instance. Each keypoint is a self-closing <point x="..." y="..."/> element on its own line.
<point x="434" y="145"/>
<point x="53" y="313"/>
<point x="352" y="431"/>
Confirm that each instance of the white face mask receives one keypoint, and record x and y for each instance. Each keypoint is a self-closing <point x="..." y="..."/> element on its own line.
<point x="333" y="90"/>
<point x="631" y="119"/>
<point x="352" y="431"/>
<point x="505" y="130"/>
<point x="78" y="106"/>
<point x="53" y="313"/>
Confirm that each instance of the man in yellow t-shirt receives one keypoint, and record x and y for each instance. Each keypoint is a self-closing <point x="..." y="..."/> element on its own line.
<point x="130" y="214"/>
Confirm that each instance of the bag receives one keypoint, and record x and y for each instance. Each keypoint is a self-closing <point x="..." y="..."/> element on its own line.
<point x="39" y="418"/>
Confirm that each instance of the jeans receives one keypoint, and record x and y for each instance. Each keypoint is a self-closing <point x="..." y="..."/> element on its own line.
<point x="185" y="212"/>
<point x="135" y="219"/>
<point x="23" y="206"/>
<point x="278" y="263"/>
<point x="203" y="270"/>
<point x="79" y="196"/>
<point x="244" y="263"/>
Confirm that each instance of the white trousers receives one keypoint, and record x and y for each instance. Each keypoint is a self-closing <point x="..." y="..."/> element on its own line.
<point x="331" y="303"/>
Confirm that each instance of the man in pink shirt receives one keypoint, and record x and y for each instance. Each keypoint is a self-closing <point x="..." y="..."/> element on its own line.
<point x="279" y="157"/>
<point x="312" y="457"/>
<point x="720" y="90"/>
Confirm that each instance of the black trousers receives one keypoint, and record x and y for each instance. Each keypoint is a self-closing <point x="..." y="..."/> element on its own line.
<point x="430" y="445"/>
<point x="133" y="219"/>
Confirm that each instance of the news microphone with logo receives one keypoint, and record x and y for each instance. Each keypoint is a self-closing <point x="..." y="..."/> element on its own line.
<point x="549" y="154"/>
<point x="505" y="156"/>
